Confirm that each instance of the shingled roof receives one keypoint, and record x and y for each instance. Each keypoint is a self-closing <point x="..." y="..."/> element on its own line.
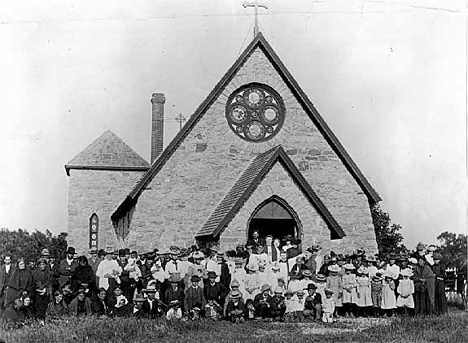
<point x="108" y="152"/>
<point x="249" y="181"/>
<point x="258" y="42"/>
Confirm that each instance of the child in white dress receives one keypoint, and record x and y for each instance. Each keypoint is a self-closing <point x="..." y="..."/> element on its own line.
<point x="328" y="306"/>
<point x="405" y="290"/>
<point x="388" y="293"/>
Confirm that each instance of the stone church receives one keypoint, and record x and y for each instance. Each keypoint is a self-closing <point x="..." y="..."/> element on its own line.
<point x="255" y="154"/>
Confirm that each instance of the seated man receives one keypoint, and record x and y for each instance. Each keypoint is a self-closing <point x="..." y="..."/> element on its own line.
<point x="81" y="305"/>
<point x="313" y="303"/>
<point x="194" y="297"/>
<point x="263" y="302"/>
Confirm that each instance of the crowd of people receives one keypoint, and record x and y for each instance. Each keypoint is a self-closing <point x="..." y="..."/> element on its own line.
<point x="267" y="279"/>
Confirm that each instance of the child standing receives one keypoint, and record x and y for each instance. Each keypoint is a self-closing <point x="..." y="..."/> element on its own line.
<point x="299" y="310"/>
<point x="405" y="292"/>
<point x="376" y="293"/>
<point x="349" y="290"/>
<point x="290" y="303"/>
<point x="388" y="293"/>
<point x="363" y="290"/>
<point x="334" y="283"/>
<point x="328" y="306"/>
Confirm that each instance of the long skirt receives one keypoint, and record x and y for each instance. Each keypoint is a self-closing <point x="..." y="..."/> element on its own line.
<point x="422" y="303"/>
<point x="440" y="303"/>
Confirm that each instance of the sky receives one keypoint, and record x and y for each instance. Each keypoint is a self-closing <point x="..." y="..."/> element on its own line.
<point x="388" y="76"/>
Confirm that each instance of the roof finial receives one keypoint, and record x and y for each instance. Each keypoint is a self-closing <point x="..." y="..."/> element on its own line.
<point x="256" y="5"/>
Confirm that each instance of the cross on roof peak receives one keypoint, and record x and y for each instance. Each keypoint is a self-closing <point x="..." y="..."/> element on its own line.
<point x="255" y="4"/>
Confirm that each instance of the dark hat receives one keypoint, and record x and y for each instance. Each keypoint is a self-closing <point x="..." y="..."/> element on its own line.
<point x="311" y="286"/>
<point x="93" y="250"/>
<point x="195" y="278"/>
<point x="121" y="252"/>
<point x="174" y="278"/>
<point x="437" y="256"/>
<point x="71" y="251"/>
<point x="174" y="250"/>
<point x="101" y="252"/>
<point x="138" y="298"/>
<point x="134" y="252"/>
<point x="127" y="251"/>
<point x="212" y="274"/>
<point x="392" y="256"/>
<point x="297" y="241"/>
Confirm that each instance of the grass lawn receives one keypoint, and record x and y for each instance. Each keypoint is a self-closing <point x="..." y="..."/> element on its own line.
<point x="451" y="328"/>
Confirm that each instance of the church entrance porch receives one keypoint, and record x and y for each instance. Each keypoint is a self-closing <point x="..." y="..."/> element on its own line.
<point x="274" y="217"/>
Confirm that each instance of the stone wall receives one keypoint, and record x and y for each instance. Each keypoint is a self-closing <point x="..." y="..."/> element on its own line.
<point x="211" y="158"/>
<point x="100" y="192"/>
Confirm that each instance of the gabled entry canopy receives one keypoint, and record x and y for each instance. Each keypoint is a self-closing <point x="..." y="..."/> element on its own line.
<point x="249" y="181"/>
<point x="261" y="43"/>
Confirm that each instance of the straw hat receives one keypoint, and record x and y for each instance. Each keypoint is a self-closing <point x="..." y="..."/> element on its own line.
<point x="349" y="266"/>
<point x="407" y="272"/>
<point x="265" y="287"/>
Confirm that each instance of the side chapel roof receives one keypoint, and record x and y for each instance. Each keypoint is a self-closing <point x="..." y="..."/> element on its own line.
<point x="108" y="152"/>
<point x="248" y="182"/>
<point x="260" y="42"/>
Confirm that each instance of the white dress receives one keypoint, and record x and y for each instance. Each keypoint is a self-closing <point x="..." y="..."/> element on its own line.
<point x="388" y="295"/>
<point x="349" y="282"/>
<point x="405" y="292"/>
<point x="364" y="291"/>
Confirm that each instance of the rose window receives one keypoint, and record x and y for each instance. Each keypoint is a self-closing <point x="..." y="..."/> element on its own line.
<point x="255" y="113"/>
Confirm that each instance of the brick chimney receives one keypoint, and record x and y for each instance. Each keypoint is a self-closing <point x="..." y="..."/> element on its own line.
<point x="157" y="125"/>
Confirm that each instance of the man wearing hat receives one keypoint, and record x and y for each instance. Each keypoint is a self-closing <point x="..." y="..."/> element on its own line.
<point x="94" y="261"/>
<point x="174" y="266"/>
<point x="278" y="306"/>
<point x="137" y="309"/>
<point x="174" y="291"/>
<point x="214" y="290"/>
<point x="194" y="296"/>
<point x="235" y="307"/>
<point x="66" y="267"/>
<point x="263" y="302"/>
<point x="152" y="306"/>
<point x="313" y="303"/>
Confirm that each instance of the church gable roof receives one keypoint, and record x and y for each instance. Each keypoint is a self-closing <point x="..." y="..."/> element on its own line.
<point x="258" y="42"/>
<point x="248" y="182"/>
<point x="108" y="152"/>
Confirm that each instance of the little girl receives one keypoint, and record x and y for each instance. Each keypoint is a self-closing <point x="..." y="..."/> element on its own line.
<point x="300" y="302"/>
<point x="175" y="312"/>
<point x="388" y="293"/>
<point x="364" y="298"/>
<point x="249" y="310"/>
<point x="252" y="284"/>
<point x="405" y="292"/>
<point x="349" y="290"/>
<point x="290" y="303"/>
<point x="334" y="283"/>
<point x="376" y="293"/>
<point x="328" y="306"/>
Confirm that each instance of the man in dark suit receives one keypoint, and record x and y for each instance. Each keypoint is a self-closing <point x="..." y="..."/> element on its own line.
<point x="152" y="306"/>
<point x="313" y="303"/>
<point x="66" y="267"/>
<point x="272" y="251"/>
<point x="214" y="290"/>
<point x="194" y="297"/>
<point x="136" y="310"/>
<point x="256" y="240"/>
<point x="6" y="270"/>
<point x="263" y="303"/>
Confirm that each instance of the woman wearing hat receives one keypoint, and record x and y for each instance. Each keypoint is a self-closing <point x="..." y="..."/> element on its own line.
<point x="440" y="299"/>
<point x="423" y="287"/>
<point x="21" y="281"/>
<point x="251" y="284"/>
<point x="174" y="291"/>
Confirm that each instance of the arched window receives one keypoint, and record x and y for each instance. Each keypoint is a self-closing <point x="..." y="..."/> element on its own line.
<point x="93" y="231"/>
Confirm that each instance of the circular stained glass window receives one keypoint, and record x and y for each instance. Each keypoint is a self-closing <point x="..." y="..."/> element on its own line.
<point x="255" y="112"/>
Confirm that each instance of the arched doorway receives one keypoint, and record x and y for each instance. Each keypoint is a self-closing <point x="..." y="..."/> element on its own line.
<point x="274" y="217"/>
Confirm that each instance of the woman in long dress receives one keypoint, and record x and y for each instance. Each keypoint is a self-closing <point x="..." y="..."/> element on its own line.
<point x="440" y="301"/>
<point x="21" y="281"/>
<point x="423" y="286"/>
